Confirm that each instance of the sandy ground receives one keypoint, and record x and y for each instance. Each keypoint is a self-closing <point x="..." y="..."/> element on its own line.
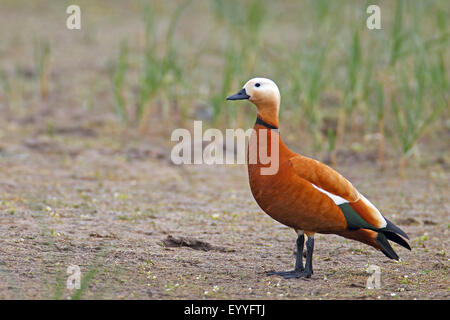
<point x="87" y="199"/>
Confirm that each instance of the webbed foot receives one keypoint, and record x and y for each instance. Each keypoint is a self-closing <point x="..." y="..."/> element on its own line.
<point x="291" y="274"/>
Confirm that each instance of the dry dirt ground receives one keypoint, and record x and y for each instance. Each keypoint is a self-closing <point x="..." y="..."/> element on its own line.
<point x="83" y="197"/>
<point x="78" y="189"/>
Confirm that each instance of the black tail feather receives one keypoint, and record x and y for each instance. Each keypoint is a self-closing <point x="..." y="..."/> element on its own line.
<point x="393" y="233"/>
<point x="386" y="247"/>
<point x="394" y="229"/>
<point x="397" y="239"/>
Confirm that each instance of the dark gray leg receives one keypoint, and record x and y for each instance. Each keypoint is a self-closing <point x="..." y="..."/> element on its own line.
<point x="309" y="255"/>
<point x="299" y="271"/>
<point x="299" y="258"/>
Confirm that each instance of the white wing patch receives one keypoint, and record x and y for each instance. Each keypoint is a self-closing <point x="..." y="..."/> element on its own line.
<point x="375" y="210"/>
<point x="337" y="200"/>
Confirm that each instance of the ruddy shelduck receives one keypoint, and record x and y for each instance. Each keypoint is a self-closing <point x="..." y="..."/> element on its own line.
<point x="307" y="195"/>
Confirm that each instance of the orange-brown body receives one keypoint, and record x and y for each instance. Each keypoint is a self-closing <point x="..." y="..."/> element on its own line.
<point x="303" y="193"/>
<point x="292" y="200"/>
<point x="288" y="198"/>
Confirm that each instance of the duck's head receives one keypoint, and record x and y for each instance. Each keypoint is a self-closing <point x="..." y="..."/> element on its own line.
<point x="264" y="94"/>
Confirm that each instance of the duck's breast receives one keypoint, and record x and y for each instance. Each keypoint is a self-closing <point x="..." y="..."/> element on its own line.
<point x="288" y="198"/>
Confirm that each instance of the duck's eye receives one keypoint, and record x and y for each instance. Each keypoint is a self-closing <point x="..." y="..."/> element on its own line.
<point x="257" y="84"/>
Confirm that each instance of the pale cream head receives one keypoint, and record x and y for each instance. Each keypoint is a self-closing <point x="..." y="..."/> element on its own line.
<point x="263" y="91"/>
<point x="264" y="94"/>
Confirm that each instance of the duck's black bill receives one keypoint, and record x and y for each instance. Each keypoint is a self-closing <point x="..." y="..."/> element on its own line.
<point x="241" y="95"/>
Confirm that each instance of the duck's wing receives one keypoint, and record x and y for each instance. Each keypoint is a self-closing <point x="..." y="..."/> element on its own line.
<point x="358" y="211"/>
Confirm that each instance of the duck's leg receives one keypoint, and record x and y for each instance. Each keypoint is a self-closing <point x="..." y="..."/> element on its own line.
<point x="299" y="271"/>
<point x="309" y="254"/>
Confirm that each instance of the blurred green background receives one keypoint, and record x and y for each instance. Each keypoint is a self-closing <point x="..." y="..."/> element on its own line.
<point x="152" y="66"/>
